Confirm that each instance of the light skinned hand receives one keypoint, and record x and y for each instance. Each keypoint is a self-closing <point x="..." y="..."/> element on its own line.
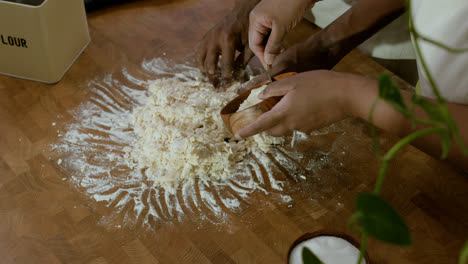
<point x="312" y="100"/>
<point x="305" y="56"/>
<point x="274" y="17"/>
<point x="319" y="98"/>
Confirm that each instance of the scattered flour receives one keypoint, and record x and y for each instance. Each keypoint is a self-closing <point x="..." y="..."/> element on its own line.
<point x="103" y="148"/>
<point x="180" y="133"/>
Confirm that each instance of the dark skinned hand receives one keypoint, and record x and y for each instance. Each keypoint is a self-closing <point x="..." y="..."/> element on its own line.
<point x="305" y="56"/>
<point x="226" y="38"/>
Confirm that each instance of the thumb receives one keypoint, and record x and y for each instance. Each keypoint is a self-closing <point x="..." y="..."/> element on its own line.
<point x="278" y="88"/>
<point x="252" y="83"/>
<point x="273" y="46"/>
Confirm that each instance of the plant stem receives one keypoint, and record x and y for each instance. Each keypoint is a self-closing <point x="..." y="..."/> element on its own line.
<point x="425" y="122"/>
<point x="421" y="58"/>
<point x="428" y="75"/>
<point x="440" y="45"/>
<point x="362" y="250"/>
<point x="373" y="130"/>
<point x="442" y="105"/>
<point x="352" y="220"/>
<point x="400" y="144"/>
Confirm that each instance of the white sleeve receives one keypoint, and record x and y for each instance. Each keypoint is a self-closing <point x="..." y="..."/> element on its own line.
<point x="446" y="22"/>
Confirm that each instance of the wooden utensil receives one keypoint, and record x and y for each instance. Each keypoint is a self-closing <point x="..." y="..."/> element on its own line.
<point x="234" y="121"/>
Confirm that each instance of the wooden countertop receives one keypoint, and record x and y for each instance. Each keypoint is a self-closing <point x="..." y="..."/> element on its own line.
<point x="46" y="219"/>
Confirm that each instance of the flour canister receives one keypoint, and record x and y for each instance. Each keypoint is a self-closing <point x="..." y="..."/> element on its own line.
<point x="40" y="39"/>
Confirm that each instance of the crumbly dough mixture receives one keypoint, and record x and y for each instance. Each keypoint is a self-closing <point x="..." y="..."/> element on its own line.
<point x="180" y="133"/>
<point x="252" y="99"/>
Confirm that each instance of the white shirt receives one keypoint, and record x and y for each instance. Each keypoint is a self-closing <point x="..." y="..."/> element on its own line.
<point x="446" y="22"/>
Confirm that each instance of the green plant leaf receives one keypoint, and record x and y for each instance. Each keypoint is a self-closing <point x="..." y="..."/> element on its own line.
<point x="452" y="126"/>
<point x="375" y="141"/>
<point x="464" y="254"/>
<point x="378" y="219"/>
<point x="460" y="143"/>
<point x="441" y="116"/>
<point x="390" y="93"/>
<point x="308" y="257"/>
<point x="446" y="142"/>
<point x="430" y="108"/>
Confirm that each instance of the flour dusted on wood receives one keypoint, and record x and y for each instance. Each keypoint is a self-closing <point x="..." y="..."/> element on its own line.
<point x="180" y="133"/>
<point x="96" y="147"/>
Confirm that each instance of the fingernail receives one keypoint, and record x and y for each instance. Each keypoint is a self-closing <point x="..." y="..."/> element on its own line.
<point x="269" y="58"/>
<point x="237" y="136"/>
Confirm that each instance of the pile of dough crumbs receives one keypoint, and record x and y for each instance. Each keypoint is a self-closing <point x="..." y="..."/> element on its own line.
<point x="180" y="133"/>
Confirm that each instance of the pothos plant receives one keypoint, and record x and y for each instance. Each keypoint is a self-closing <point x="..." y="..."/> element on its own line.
<point x="374" y="217"/>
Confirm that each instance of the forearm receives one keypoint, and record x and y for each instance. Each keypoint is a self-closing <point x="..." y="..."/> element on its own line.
<point x="362" y="95"/>
<point x="246" y="4"/>
<point x="242" y="9"/>
<point x="356" y="25"/>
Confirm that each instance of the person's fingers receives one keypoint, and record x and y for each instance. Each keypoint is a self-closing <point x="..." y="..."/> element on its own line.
<point x="278" y="130"/>
<point x="257" y="34"/>
<point x="211" y="60"/>
<point x="262" y="123"/>
<point x="248" y="55"/>
<point x="258" y="50"/>
<point x="243" y="58"/>
<point x="273" y="46"/>
<point x="254" y="82"/>
<point x="201" y="55"/>
<point x="278" y="88"/>
<point x="240" y="64"/>
<point x="227" y="60"/>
